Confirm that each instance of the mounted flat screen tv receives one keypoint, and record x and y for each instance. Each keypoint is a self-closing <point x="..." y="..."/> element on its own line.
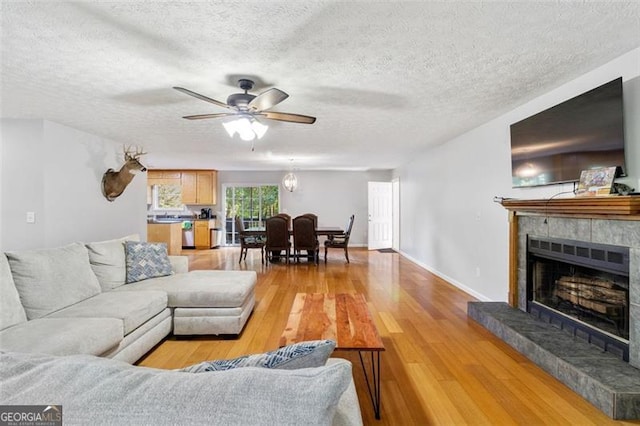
<point x="583" y="133"/>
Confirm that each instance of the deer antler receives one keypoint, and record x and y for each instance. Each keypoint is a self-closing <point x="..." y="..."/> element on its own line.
<point x="128" y="155"/>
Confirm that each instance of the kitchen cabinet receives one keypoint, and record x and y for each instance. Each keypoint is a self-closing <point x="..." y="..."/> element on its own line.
<point x="202" y="233"/>
<point x="189" y="190"/>
<point x="163" y="177"/>
<point x="199" y="186"/>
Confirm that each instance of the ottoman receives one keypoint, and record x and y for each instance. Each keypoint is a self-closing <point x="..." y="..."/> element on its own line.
<point x="205" y="302"/>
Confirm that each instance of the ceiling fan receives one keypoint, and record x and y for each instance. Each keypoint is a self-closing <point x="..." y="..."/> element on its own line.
<point x="248" y="105"/>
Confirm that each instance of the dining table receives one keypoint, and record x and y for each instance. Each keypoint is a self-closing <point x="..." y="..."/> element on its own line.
<point x="261" y="231"/>
<point x="326" y="231"/>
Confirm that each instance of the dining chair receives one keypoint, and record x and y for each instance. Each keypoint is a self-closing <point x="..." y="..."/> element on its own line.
<point x="277" y="232"/>
<point x="248" y="241"/>
<point x="305" y="238"/>
<point x="314" y="217"/>
<point x="340" y="241"/>
<point x="287" y="218"/>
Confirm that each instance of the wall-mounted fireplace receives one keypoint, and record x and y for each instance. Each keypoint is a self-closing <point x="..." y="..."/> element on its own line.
<point x="582" y="287"/>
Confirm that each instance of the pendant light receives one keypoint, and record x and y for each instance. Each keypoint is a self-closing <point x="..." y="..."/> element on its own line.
<point x="290" y="181"/>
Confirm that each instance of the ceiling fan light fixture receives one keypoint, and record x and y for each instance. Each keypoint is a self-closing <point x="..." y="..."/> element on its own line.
<point x="259" y="129"/>
<point x="246" y="127"/>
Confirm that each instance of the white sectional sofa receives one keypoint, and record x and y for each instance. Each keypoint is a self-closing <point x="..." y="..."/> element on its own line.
<point x="74" y="300"/>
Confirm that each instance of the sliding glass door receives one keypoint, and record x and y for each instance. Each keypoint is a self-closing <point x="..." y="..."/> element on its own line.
<point x="254" y="204"/>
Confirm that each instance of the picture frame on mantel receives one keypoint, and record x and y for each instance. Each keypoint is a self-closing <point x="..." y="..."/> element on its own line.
<point x="596" y="182"/>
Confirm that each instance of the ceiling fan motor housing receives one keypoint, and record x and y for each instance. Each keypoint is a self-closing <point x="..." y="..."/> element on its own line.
<point x="240" y="100"/>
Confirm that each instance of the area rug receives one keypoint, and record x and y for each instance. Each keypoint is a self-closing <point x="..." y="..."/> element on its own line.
<point x="386" y="250"/>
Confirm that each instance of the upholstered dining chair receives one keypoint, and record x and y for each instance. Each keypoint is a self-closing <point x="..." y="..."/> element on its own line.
<point x="277" y="232"/>
<point x="287" y="218"/>
<point x="305" y="238"/>
<point x="314" y="217"/>
<point x="340" y="241"/>
<point x="248" y="242"/>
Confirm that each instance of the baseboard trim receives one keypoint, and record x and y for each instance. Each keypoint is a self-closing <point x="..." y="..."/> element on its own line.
<point x="448" y="279"/>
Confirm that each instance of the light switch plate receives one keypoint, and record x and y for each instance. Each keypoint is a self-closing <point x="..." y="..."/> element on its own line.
<point x="31" y="217"/>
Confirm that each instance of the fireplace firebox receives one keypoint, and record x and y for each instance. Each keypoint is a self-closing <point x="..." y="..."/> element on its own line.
<point x="581" y="287"/>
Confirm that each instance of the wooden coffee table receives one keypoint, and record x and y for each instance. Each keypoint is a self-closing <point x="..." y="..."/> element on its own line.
<point x="345" y="318"/>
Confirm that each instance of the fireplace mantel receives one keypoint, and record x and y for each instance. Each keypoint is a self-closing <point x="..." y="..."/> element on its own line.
<point x="625" y="207"/>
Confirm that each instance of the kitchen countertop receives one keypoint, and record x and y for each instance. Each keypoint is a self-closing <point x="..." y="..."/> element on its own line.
<point x="170" y="220"/>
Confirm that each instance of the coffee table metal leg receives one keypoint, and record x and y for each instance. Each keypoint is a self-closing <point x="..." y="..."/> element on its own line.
<point x="375" y="375"/>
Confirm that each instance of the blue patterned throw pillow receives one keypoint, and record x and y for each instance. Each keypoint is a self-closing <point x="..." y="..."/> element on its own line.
<point x="309" y="354"/>
<point x="146" y="260"/>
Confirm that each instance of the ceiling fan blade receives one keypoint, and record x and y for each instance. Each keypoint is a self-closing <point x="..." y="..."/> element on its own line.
<point x="203" y="116"/>
<point x="267" y="99"/>
<point x="202" y="97"/>
<point x="292" y="118"/>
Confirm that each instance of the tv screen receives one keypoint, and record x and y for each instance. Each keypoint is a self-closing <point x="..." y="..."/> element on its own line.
<point x="583" y="133"/>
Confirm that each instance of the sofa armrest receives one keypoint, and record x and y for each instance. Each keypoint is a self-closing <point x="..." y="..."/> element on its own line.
<point x="179" y="264"/>
<point x="348" y="411"/>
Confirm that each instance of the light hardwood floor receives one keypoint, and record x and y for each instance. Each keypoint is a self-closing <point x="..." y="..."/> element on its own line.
<point x="439" y="367"/>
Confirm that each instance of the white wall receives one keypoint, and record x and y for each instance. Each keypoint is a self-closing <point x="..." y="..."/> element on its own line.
<point x="449" y="222"/>
<point x="332" y="195"/>
<point x="56" y="172"/>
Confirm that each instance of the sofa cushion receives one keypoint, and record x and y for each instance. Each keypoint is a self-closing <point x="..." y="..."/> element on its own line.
<point x="134" y="308"/>
<point x="104" y="391"/>
<point x="11" y="310"/>
<point x="108" y="261"/>
<point x="51" y="279"/>
<point x="299" y="355"/>
<point x="63" y="336"/>
<point x="202" y="289"/>
<point x="146" y="260"/>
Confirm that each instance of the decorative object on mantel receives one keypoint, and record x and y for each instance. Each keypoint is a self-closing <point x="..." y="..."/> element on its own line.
<point x="622" y="189"/>
<point x="114" y="183"/>
<point x="596" y="182"/>
<point x="245" y="110"/>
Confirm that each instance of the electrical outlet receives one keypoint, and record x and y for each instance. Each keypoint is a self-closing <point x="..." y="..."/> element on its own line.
<point x="31" y="217"/>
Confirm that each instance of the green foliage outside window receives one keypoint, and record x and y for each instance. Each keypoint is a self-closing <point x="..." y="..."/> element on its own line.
<point x="254" y="204"/>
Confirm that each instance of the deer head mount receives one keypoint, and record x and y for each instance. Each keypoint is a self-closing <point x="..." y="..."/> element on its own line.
<point x="114" y="183"/>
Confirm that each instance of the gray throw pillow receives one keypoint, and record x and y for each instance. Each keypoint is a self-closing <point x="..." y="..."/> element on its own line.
<point x="309" y="354"/>
<point x="11" y="310"/>
<point x="146" y="260"/>
<point x="108" y="261"/>
<point x="51" y="279"/>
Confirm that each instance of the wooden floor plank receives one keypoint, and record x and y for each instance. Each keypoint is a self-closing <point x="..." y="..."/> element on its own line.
<point x="438" y="368"/>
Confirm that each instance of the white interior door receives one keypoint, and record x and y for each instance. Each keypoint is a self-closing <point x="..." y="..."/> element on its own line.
<point x="380" y="215"/>
<point x="395" y="185"/>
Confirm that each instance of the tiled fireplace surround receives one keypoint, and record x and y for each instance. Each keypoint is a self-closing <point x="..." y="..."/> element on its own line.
<point x="606" y="381"/>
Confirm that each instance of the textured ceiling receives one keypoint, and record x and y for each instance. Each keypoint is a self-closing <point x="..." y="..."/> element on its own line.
<point x="384" y="79"/>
